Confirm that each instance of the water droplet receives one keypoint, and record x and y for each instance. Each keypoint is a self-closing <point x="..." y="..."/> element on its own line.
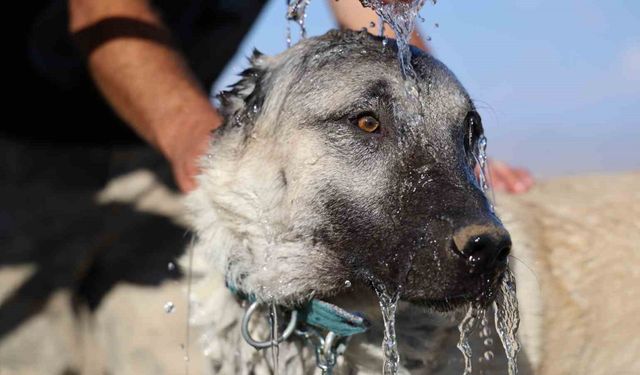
<point x="488" y="355"/>
<point x="347" y="283"/>
<point x="171" y="266"/>
<point x="169" y="307"/>
<point x="486" y="331"/>
<point x="436" y="25"/>
<point x="372" y="24"/>
<point x="297" y="12"/>
<point x="488" y="342"/>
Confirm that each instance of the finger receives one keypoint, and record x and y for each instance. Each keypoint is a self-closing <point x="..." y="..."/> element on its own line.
<point x="505" y="175"/>
<point x="525" y="177"/>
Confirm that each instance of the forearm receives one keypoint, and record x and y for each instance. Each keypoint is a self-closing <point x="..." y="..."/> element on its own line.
<point x="146" y="82"/>
<point x="350" y="14"/>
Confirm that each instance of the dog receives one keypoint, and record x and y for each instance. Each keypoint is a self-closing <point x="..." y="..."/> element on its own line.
<point x="331" y="177"/>
<point x="303" y="196"/>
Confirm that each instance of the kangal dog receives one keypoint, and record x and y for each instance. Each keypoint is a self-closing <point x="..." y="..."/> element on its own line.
<point x="332" y="179"/>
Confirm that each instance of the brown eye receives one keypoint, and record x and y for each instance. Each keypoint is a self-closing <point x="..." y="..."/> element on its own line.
<point x="368" y="123"/>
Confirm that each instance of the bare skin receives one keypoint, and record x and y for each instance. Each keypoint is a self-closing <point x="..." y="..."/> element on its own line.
<point x="161" y="100"/>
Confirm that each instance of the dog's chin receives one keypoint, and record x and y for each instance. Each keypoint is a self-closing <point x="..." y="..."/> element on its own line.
<point x="482" y="292"/>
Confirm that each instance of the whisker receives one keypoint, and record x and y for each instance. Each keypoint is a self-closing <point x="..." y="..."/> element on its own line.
<point x="529" y="268"/>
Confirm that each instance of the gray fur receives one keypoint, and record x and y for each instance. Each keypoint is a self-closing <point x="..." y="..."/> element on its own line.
<point x="294" y="199"/>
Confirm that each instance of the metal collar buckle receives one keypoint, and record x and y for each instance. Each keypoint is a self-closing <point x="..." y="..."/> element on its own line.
<point x="327" y="348"/>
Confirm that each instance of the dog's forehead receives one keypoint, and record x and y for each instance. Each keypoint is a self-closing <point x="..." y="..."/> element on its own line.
<point x="342" y="67"/>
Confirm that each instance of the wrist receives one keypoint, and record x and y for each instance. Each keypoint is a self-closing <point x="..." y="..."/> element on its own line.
<point x="175" y="134"/>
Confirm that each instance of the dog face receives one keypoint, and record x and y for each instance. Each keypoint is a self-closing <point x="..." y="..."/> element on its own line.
<point x="332" y="167"/>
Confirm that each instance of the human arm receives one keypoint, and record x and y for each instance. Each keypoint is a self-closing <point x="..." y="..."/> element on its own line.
<point x="148" y="83"/>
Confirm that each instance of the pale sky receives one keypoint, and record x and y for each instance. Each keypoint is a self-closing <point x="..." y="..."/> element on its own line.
<point x="557" y="82"/>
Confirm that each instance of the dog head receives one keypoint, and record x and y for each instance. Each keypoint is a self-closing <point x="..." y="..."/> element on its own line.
<point x="332" y="167"/>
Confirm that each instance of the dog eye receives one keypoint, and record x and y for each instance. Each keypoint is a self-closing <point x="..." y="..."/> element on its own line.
<point x="473" y="130"/>
<point x="368" y="123"/>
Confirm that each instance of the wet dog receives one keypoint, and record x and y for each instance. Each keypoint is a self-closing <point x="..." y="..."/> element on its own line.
<point x="335" y="175"/>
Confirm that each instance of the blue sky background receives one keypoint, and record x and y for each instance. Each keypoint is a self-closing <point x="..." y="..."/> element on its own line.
<point x="557" y="83"/>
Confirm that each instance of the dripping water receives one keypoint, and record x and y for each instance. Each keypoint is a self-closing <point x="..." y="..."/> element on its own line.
<point x="480" y="155"/>
<point x="507" y="320"/>
<point x="466" y="327"/>
<point x="275" y="347"/>
<point x="187" y="331"/>
<point x="297" y="12"/>
<point x="388" y="306"/>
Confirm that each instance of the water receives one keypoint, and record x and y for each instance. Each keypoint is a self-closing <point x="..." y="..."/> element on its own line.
<point x="297" y="12"/>
<point x="388" y="306"/>
<point x="507" y="320"/>
<point x="169" y="307"/>
<point x="187" y="330"/>
<point x="466" y="328"/>
<point x="401" y="17"/>
<point x="482" y="162"/>
<point x="480" y="155"/>
<point x="275" y="348"/>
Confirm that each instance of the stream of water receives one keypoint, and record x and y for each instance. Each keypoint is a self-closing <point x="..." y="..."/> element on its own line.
<point x="297" y="12"/>
<point x="401" y="17"/>
<point x="388" y="306"/>
<point x="275" y="347"/>
<point x="507" y="320"/>
<point x="466" y="327"/>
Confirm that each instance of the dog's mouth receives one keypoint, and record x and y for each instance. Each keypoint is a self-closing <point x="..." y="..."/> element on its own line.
<point x="476" y="289"/>
<point x="480" y="291"/>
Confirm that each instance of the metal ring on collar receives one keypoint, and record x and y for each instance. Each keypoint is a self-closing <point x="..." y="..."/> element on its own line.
<point x="267" y="343"/>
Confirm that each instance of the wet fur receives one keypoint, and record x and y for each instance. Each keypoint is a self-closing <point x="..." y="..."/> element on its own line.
<point x="275" y="217"/>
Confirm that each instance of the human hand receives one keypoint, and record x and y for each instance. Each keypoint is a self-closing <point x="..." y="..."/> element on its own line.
<point x="505" y="178"/>
<point x="183" y="145"/>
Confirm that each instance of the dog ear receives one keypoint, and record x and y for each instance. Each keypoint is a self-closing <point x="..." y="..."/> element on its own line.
<point x="242" y="102"/>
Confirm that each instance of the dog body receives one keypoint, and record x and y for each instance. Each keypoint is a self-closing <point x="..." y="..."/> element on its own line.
<point x="576" y="244"/>
<point x="334" y="175"/>
<point x="293" y="204"/>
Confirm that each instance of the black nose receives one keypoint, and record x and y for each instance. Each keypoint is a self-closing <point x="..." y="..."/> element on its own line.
<point x="483" y="247"/>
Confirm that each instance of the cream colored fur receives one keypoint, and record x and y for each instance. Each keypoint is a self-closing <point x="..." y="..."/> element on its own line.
<point x="576" y="256"/>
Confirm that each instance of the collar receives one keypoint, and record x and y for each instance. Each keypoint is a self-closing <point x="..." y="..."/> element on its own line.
<point x="321" y="315"/>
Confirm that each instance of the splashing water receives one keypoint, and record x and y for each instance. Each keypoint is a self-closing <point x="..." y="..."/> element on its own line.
<point x="297" y="12"/>
<point x="388" y="306"/>
<point x="507" y="320"/>
<point x="401" y="17"/>
<point x="466" y="328"/>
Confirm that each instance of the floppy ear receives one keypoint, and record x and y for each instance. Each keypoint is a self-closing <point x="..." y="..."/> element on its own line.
<point x="242" y="102"/>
